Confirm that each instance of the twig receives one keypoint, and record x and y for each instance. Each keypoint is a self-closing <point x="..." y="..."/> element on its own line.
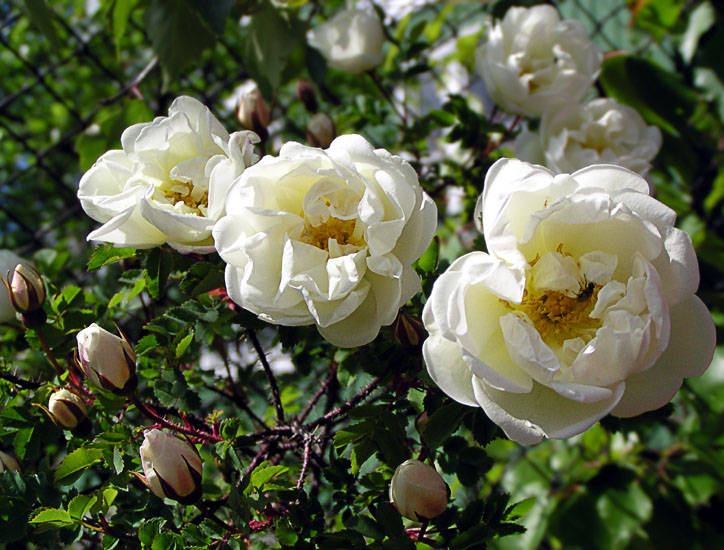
<point x="150" y="413"/>
<point x="319" y="394"/>
<point x="387" y="96"/>
<point x="25" y="384"/>
<point x="276" y="397"/>
<point x="331" y="415"/>
<point x="213" y="517"/>
<point x="305" y="461"/>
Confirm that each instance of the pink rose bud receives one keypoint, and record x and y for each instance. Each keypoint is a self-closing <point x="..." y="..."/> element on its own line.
<point x="253" y="113"/>
<point x="172" y="467"/>
<point x="68" y="411"/>
<point x="109" y="361"/>
<point x="417" y="491"/>
<point x="8" y="463"/>
<point x="320" y="131"/>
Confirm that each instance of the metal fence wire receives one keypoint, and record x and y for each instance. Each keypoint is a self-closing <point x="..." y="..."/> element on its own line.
<point x="54" y="92"/>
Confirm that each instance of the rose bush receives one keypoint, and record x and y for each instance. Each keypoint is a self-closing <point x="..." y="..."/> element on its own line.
<point x="351" y="41"/>
<point x="603" y="131"/>
<point x="326" y="237"/>
<point x="531" y="60"/>
<point x="584" y="304"/>
<point x="169" y="182"/>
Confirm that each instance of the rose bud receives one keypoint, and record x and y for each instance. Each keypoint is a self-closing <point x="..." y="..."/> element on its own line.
<point x="26" y="291"/>
<point x="172" y="467"/>
<point x="417" y="491"/>
<point x="408" y="330"/>
<point x="109" y="361"/>
<point x="8" y="463"/>
<point x="68" y="411"/>
<point x="307" y="95"/>
<point x="8" y="261"/>
<point x="253" y="113"/>
<point x="320" y="131"/>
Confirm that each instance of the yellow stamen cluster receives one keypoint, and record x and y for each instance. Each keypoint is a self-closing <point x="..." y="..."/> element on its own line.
<point x="334" y="228"/>
<point x="558" y="317"/>
<point x="194" y="199"/>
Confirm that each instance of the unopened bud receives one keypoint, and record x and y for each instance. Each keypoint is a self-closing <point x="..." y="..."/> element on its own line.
<point x="408" y="330"/>
<point x="253" y="113"/>
<point x="307" y="95"/>
<point x="8" y="463"/>
<point x="109" y="361"/>
<point x="320" y="131"/>
<point x="417" y="491"/>
<point x="8" y="261"/>
<point x="26" y="291"/>
<point x="68" y="411"/>
<point x="421" y="422"/>
<point x="172" y="467"/>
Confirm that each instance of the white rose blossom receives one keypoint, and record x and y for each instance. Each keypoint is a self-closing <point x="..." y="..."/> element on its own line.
<point x="584" y="305"/>
<point x="169" y="182"/>
<point x="573" y="136"/>
<point x="351" y="41"/>
<point x="531" y="60"/>
<point x="326" y="237"/>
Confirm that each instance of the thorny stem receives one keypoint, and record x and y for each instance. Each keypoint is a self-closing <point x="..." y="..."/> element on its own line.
<point x="150" y="413"/>
<point x="24" y="384"/>
<point x="305" y="461"/>
<point x="319" y="394"/>
<point x="331" y="415"/>
<point x="276" y="397"/>
<point x="48" y="352"/>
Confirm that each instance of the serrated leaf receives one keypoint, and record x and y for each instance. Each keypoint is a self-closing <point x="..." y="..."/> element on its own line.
<point x="146" y="344"/>
<point x="76" y="462"/>
<point x="51" y="518"/>
<point x="108" y="254"/>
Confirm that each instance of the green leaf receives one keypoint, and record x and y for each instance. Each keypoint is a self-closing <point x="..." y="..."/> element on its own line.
<point x="442" y="424"/>
<point x="178" y="34"/>
<point x="108" y="254"/>
<point x="158" y="267"/>
<point x="146" y="344"/>
<point x="79" y="506"/>
<point x="75" y="463"/>
<point x="214" y="13"/>
<point x="41" y="16"/>
<point x="51" y="518"/>
<point x="263" y="474"/>
<point x="428" y="262"/>
<point x="263" y="52"/>
<point x="122" y="10"/>
<point x="285" y="533"/>
<point x="184" y="344"/>
<point x="660" y="97"/>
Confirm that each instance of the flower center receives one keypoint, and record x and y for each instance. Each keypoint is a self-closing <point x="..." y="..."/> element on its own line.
<point x="341" y="231"/>
<point x="558" y="317"/>
<point x="183" y="197"/>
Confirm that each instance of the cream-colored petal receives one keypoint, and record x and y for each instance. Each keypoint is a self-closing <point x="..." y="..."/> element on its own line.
<point x="691" y="348"/>
<point x="446" y="367"/>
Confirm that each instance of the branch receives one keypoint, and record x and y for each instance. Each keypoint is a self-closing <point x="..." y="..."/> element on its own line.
<point x="276" y="397"/>
<point x="331" y="415"/>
